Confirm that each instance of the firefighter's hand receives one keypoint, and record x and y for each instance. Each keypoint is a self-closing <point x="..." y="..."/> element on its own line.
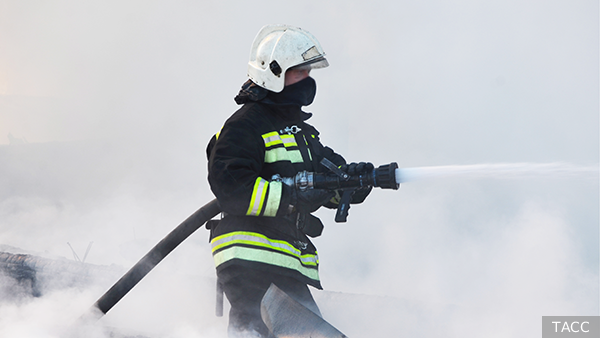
<point x="310" y="200"/>
<point x="357" y="168"/>
<point x="360" y="195"/>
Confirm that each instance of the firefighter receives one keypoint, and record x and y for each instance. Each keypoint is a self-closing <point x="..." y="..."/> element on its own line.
<point x="263" y="236"/>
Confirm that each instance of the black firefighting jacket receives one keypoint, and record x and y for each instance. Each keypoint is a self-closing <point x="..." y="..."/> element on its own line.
<point x="257" y="142"/>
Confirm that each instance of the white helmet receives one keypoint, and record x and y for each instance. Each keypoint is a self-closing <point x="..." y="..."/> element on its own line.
<point x="277" y="48"/>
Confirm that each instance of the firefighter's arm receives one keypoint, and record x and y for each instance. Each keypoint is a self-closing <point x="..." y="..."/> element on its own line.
<point x="235" y="161"/>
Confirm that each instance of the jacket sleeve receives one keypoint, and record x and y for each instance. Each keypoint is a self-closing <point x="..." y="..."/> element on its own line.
<point x="236" y="157"/>
<point x="321" y="150"/>
<point x="335" y="158"/>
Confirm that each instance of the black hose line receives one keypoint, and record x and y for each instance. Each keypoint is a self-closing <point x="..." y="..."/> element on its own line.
<point x="152" y="258"/>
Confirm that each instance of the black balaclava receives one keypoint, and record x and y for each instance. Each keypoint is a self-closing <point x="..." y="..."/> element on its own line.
<point x="301" y="93"/>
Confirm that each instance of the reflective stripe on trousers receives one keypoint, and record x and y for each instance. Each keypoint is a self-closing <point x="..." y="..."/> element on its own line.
<point x="256" y="247"/>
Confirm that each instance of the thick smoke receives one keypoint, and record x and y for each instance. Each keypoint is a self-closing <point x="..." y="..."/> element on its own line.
<point x="106" y="109"/>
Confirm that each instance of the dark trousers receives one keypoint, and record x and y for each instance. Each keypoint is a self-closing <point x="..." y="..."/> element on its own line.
<point x="245" y="288"/>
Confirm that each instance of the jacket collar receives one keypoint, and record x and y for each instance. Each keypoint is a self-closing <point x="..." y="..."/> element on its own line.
<point x="251" y="92"/>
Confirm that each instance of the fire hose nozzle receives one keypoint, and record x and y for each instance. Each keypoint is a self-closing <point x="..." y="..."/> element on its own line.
<point x="384" y="176"/>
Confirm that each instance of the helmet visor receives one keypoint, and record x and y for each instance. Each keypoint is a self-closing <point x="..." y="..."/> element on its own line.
<point x="320" y="62"/>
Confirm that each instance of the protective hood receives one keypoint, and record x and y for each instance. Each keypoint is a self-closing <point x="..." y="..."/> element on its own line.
<point x="298" y="94"/>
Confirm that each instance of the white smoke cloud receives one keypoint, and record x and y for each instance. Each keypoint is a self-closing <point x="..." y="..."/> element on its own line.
<point x="435" y="277"/>
<point x="118" y="100"/>
<point x="49" y="316"/>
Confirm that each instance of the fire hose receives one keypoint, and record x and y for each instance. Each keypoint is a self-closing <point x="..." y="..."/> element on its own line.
<point x="385" y="177"/>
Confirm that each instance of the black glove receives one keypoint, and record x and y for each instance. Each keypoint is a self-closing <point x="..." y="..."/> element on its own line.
<point x="353" y="168"/>
<point x="360" y="195"/>
<point x="310" y="200"/>
<point x="357" y="168"/>
<point x="310" y="225"/>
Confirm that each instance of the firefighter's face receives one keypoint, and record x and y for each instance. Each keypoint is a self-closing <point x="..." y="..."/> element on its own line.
<point x="296" y="75"/>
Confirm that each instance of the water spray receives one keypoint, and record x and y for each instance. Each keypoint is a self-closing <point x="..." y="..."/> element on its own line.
<point x="499" y="171"/>
<point x="389" y="176"/>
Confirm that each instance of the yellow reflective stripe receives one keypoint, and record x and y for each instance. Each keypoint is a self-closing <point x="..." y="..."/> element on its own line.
<point x="274" y="155"/>
<point x="261" y="241"/>
<point x="258" y="197"/>
<point x="218" y="133"/>
<point x="273" y="199"/>
<point x="295" y="156"/>
<point x="263" y="256"/>
<point x="307" y="148"/>
<point x="254" y="237"/>
<point x="289" y="140"/>
<point x="282" y="154"/>
<point x="271" y="139"/>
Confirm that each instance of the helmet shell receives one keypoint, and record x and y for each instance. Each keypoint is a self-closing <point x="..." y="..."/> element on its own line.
<point x="277" y="48"/>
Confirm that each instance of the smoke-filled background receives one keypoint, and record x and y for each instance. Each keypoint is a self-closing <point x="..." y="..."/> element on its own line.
<point x="106" y="109"/>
